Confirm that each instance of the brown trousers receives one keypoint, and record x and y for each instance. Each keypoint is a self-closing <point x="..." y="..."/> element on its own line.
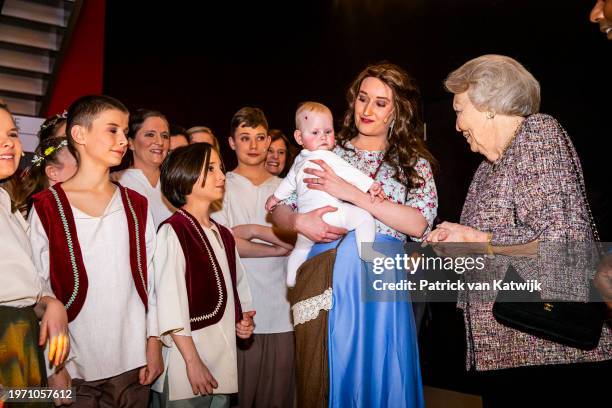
<point x="122" y="390"/>
<point x="266" y="371"/>
<point x="314" y="277"/>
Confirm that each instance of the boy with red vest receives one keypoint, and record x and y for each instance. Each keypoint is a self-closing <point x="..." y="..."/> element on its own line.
<point x="204" y="300"/>
<point x="93" y="243"/>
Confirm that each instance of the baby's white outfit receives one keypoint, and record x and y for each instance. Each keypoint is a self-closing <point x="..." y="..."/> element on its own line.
<point x="347" y="216"/>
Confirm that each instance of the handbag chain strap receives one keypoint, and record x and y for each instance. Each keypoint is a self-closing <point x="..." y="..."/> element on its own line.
<point x="581" y="184"/>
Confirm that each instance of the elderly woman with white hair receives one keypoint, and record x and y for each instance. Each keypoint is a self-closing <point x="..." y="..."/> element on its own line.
<point x="529" y="189"/>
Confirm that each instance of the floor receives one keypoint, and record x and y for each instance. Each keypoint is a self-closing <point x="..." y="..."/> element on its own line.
<point x="439" y="398"/>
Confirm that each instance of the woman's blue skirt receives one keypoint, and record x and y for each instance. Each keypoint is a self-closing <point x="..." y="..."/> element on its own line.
<point x="373" y="350"/>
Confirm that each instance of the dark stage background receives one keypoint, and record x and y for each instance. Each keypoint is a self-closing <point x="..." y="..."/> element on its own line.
<point x="199" y="64"/>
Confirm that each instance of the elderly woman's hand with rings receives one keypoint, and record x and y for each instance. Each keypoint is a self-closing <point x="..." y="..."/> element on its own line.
<point x="451" y="239"/>
<point x="452" y="232"/>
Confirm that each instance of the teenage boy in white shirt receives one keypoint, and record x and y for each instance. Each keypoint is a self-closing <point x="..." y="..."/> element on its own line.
<point x="266" y="369"/>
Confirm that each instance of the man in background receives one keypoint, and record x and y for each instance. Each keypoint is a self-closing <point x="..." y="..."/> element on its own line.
<point x="602" y="14"/>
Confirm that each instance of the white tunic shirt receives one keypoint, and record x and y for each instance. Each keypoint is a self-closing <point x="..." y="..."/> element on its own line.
<point x="216" y="344"/>
<point x="245" y="203"/>
<point x="137" y="181"/>
<point x="108" y="336"/>
<point x="20" y="285"/>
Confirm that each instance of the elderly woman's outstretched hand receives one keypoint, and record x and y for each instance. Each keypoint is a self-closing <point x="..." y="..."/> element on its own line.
<point x="451" y="239"/>
<point x="452" y="232"/>
<point x="455" y="239"/>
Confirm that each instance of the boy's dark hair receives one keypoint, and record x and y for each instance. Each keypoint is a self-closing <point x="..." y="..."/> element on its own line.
<point x="85" y="110"/>
<point x="176" y="130"/>
<point x="249" y="117"/>
<point x="181" y="169"/>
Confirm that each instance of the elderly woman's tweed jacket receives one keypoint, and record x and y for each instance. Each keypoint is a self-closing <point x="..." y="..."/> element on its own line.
<point x="531" y="192"/>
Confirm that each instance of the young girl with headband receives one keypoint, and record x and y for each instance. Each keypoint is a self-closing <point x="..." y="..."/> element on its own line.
<point x="52" y="163"/>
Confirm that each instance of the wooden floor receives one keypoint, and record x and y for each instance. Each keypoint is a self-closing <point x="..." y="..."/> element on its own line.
<point x="439" y="398"/>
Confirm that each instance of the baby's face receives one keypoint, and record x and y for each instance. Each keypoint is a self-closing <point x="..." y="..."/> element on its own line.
<point x="316" y="131"/>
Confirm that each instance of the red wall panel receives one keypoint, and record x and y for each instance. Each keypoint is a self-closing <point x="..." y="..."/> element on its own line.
<point x="82" y="70"/>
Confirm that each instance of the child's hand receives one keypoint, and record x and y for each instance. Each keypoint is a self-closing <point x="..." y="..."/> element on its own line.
<point x="54" y="327"/>
<point x="245" y="327"/>
<point x="201" y="380"/>
<point x="376" y="192"/>
<point x="60" y="381"/>
<point x="271" y="202"/>
<point x="155" y="364"/>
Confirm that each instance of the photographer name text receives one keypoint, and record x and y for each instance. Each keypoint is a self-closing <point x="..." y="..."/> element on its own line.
<point x="530" y="285"/>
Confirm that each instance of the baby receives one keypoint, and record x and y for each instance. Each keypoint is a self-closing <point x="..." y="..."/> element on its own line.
<point x="315" y="132"/>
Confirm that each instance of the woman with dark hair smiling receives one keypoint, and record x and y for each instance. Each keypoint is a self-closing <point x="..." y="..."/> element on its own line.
<point x="149" y="141"/>
<point x="280" y="154"/>
<point x="373" y="354"/>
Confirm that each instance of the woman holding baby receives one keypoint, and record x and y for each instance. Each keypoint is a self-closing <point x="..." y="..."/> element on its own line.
<point x="382" y="135"/>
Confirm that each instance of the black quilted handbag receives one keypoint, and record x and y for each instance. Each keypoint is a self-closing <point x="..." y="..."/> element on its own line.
<point x="574" y="324"/>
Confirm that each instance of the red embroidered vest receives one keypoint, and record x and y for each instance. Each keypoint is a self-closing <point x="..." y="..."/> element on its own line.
<point x="206" y="291"/>
<point x="67" y="272"/>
